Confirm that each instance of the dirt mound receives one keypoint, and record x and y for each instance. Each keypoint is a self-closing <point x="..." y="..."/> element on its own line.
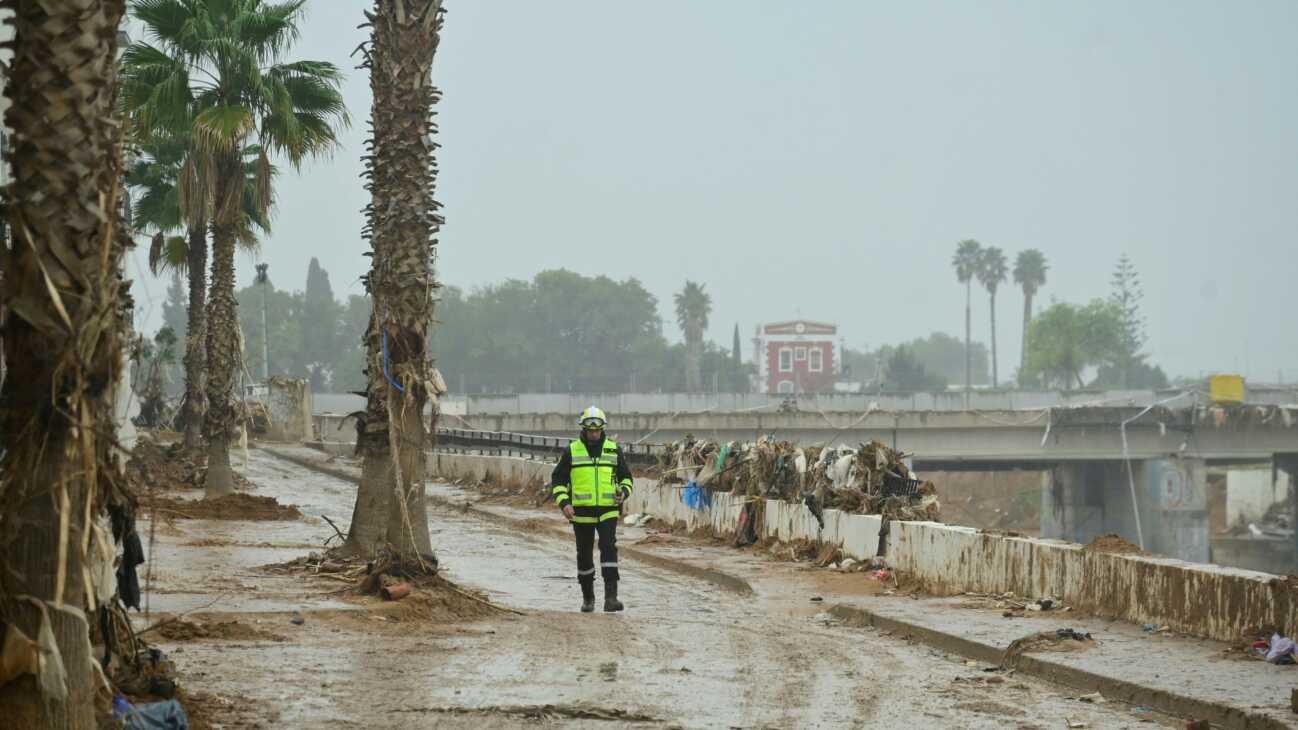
<point x="230" y="630"/>
<point x="1113" y="544"/>
<point x="154" y="466"/>
<point x="438" y="602"/>
<point x="237" y="506"/>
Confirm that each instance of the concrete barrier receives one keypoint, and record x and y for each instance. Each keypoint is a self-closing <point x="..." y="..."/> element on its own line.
<point x="1197" y="599"/>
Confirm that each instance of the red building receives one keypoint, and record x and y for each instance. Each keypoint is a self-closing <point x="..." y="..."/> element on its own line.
<point x="798" y="356"/>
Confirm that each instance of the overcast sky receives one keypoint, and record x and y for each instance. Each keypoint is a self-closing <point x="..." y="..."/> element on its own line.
<point x="822" y="158"/>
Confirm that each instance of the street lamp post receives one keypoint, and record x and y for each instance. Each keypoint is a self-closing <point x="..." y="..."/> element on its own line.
<point x="263" y="279"/>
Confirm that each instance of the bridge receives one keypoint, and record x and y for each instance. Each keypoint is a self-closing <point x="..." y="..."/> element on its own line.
<point x="967" y="440"/>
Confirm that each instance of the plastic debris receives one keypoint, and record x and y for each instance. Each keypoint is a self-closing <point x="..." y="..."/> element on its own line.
<point x="696" y="497"/>
<point x="165" y="715"/>
<point x="637" y="519"/>
<point x="1281" y="650"/>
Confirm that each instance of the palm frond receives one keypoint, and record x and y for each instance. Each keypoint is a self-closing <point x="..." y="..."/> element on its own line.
<point x="222" y="129"/>
<point x="168" y="253"/>
<point x="165" y="20"/>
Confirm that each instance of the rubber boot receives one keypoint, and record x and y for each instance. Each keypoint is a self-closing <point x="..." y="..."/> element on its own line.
<point x="611" y="603"/>
<point x="587" y="597"/>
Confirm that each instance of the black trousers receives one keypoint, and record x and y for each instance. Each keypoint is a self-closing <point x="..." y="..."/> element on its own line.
<point x="607" y="532"/>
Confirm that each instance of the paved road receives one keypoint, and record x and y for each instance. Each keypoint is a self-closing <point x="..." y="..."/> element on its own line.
<point x="685" y="653"/>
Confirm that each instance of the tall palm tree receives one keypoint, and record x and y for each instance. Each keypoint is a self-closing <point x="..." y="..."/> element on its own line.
<point x="63" y="326"/>
<point x="175" y="195"/>
<point x="1030" y="274"/>
<point x="992" y="269"/>
<point x="402" y="226"/>
<point x="693" y="305"/>
<point x="214" y="77"/>
<point x="967" y="255"/>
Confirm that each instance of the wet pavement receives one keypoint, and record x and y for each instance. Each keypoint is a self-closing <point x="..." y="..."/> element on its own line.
<point x="686" y="653"/>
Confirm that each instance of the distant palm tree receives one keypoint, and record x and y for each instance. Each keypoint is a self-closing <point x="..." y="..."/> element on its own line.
<point x="967" y="255"/>
<point x="693" y="305"/>
<point x="214" y="77"/>
<point x="1030" y="274"/>
<point x="992" y="269"/>
<point x="176" y="195"/>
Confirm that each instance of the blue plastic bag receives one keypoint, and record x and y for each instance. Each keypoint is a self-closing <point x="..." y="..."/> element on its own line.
<point x="166" y="715"/>
<point x="696" y="497"/>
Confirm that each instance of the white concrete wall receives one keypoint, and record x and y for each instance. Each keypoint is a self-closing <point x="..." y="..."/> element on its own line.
<point x="1250" y="492"/>
<point x="288" y="404"/>
<point x="1192" y="598"/>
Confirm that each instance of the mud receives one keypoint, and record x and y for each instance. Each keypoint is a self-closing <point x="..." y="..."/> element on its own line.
<point x="235" y="630"/>
<point x="1113" y="544"/>
<point x="683" y="654"/>
<point x="237" y="506"/>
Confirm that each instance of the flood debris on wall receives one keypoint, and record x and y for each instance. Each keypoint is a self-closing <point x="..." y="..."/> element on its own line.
<point x="868" y="479"/>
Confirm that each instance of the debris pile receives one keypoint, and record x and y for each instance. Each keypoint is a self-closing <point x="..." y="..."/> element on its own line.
<point x="416" y="583"/>
<point x="1058" y="640"/>
<point x="869" y="479"/>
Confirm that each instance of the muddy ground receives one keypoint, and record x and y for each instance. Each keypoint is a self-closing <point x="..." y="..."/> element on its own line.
<point x="686" y="653"/>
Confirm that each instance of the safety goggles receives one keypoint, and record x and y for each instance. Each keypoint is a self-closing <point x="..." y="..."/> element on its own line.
<point x="592" y="424"/>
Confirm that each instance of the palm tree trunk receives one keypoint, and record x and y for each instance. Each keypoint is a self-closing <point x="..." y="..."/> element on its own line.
<point x="223" y="356"/>
<point x="968" y="334"/>
<point x="402" y="173"/>
<point x="995" y="373"/>
<point x="195" y="339"/>
<point x="1027" y="322"/>
<point x="369" y="524"/>
<point x="693" y="366"/>
<point x="62" y="334"/>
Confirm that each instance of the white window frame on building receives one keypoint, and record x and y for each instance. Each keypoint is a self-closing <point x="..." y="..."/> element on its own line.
<point x="786" y="364"/>
<point x="816" y="360"/>
<point x="799" y="354"/>
<point x="784" y="387"/>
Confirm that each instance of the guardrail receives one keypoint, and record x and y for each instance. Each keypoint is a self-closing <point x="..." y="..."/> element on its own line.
<point x="502" y="443"/>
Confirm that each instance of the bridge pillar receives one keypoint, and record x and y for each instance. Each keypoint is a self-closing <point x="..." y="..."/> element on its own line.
<point x="1083" y="500"/>
<point x="1288" y="463"/>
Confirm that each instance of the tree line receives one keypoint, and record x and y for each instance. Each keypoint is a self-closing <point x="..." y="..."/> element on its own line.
<point x="558" y="332"/>
<point x="1065" y="341"/>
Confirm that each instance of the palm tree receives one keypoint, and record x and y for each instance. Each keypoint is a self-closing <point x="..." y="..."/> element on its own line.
<point x="992" y="269"/>
<point x="63" y="326"/>
<point x="402" y="226"/>
<point x="1030" y="274"/>
<point x="693" y="305"/>
<point x="213" y="78"/>
<point x="967" y="255"/>
<point x="175" y="195"/>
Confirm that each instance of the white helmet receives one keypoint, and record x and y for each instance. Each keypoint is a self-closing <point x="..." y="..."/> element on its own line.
<point x="592" y="417"/>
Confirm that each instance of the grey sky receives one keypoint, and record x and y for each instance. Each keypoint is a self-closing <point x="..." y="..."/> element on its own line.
<point x="824" y="158"/>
